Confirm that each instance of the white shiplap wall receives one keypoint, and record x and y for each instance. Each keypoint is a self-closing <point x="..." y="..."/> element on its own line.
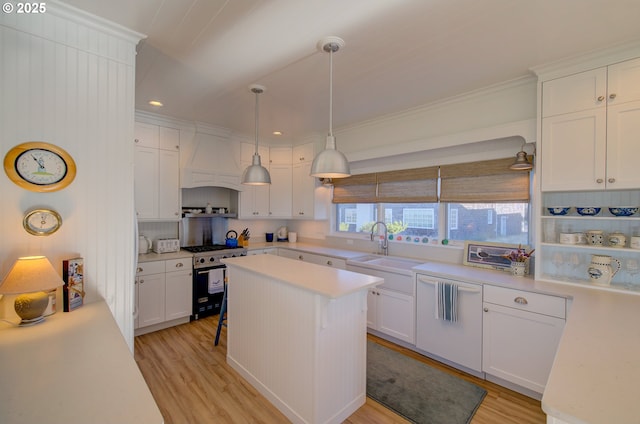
<point x="67" y="78"/>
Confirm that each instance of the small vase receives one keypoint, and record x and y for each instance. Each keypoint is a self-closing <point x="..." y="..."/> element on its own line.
<point x="518" y="268"/>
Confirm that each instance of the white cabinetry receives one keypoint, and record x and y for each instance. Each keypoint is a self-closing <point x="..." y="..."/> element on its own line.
<point x="590" y="127"/>
<point x="281" y="182"/>
<point x="179" y="288"/>
<point x="391" y="305"/>
<point x="157" y="172"/>
<point x="313" y="258"/>
<point x="253" y="201"/>
<point x="263" y="251"/>
<point x="163" y="294"/>
<point x="521" y="332"/>
<point x="150" y="279"/>
<point x="304" y="185"/>
<point x="459" y="342"/>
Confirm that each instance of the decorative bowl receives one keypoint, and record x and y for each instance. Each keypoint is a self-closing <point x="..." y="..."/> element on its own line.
<point x="558" y="211"/>
<point x="590" y="211"/>
<point x="623" y="211"/>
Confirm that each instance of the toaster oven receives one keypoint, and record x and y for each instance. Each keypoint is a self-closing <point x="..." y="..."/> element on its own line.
<point x="165" y="245"/>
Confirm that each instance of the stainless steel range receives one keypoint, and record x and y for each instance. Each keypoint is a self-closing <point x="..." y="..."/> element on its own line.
<point x="209" y="276"/>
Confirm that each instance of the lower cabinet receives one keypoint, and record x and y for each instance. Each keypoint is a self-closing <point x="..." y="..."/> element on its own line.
<point x="263" y="251"/>
<point x="163" y="294"/>
<point x="391" y="313"/>
<point x="521" y="332"/>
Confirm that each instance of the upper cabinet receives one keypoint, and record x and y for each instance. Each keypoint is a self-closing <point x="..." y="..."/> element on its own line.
<point x="305" y="195"/>
<point x="590" y="127"/>
<point x="157" y="172"/>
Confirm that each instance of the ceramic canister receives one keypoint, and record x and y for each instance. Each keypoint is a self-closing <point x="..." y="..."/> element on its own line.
<point x="595" y="237"/>
<point x="617" y="240"/>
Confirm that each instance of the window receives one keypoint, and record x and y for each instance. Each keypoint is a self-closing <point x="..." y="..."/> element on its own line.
<point x="479" y="201"/>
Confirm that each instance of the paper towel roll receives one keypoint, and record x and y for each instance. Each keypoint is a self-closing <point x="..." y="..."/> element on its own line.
<point x="293" y="237"/>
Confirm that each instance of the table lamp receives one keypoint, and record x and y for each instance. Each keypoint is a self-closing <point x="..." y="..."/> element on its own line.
<point x="31" y="277"/>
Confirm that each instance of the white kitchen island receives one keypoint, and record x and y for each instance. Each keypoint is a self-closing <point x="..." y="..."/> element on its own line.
<point x="297" y="333"/>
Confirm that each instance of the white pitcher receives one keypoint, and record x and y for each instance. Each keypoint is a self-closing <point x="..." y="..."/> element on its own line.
<point x="600" y="269"/>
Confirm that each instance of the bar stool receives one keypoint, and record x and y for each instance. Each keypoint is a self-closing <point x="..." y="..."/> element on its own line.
<point x="223" y="315"/>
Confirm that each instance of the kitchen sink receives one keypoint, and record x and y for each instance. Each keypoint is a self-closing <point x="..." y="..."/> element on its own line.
<point x="385" y="263"/>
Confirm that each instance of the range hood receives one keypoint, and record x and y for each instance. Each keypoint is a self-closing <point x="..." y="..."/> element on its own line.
<point x="209" y="159"/>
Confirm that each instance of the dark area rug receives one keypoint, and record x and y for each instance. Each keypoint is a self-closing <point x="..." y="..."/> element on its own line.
<point x="418" y="392"/>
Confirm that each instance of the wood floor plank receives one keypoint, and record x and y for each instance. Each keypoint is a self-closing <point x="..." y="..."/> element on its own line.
<point x="192" y="383"/>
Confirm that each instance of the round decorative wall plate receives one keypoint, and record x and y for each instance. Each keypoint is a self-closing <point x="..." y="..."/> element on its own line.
<point x="42" y="222"/>
<point x="39" y="166"/>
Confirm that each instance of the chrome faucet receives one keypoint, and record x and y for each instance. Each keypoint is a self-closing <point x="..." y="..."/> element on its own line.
<point x="385" y="245"/>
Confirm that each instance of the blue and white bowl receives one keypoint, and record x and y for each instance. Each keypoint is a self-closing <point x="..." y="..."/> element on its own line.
<point x="590" y="211"/>
<point x="558" y="211"/>
<point x="623" y="211"/>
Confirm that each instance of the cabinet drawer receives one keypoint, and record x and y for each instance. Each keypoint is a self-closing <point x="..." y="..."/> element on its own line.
<point x="526" y="301"/>
<point x="147" y="268"/>
<point x="177" y="264"/>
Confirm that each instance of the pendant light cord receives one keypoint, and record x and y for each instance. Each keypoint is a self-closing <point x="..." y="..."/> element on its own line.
<point x="256" y="93"/>
<point x="331" y="90"/>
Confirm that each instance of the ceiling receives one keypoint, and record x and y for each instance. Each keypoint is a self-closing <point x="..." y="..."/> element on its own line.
<point x="200" y="56"/>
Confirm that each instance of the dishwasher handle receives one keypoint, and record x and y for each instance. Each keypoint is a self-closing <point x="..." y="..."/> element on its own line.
<point x="460" y="288"/>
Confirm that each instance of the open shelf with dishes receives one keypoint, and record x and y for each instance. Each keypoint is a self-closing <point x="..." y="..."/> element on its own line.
<point x="569" y="240"/>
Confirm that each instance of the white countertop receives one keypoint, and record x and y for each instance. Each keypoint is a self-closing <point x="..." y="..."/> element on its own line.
<point x="74" y="367"/>
<point x="323" y="280"/>
<point x="152" y="256"/>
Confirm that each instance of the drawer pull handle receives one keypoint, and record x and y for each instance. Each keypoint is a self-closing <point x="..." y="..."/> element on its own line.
<point x="179" y="265"/>
<point x="612" y="96"/>
<point x="486" y="309"/>
<point x="139" y="269"/>
<point x="329" y="263"/>
<point x="600" y="98"/>
<point x="301" y="257"/>
<point x="521" y="300"/>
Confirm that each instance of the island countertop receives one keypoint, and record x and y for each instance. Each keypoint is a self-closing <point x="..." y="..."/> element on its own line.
<point x="327" y="281"/>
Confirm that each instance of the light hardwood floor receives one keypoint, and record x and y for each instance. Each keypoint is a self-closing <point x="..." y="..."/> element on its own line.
<point x="192" y="384"/>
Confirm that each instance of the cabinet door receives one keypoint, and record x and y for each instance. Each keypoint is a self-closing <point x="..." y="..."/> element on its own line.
<point x="574" y="93"/>
<point x="280" y="191"/>
<point x="623" y="83"/>
<point x="623" y="146"/>
<point x="168" y="185"/>
<point x="573" y="151"/>
<point x="169" y="139"/>
<point x="302" y="153"/>
<point x="303" y="191"/>
<point x="146" y="135"/>
<point x="151" y="299"/>
<point x="146" y="182"/>
<point x="372" y="309"/>
<point x="395" y="315"/>
<point x="519" y="346"/>
<point x="179" y="287"/>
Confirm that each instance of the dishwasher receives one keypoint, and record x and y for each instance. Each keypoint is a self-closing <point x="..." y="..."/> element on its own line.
<point x="456" y="343"/>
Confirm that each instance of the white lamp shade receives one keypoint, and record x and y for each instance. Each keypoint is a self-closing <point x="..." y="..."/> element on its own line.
<point x="31" y="274"/>
<point x="330" y="163"/>
<point x="256" y="174"/>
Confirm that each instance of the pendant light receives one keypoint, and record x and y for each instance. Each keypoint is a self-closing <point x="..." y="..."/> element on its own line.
<point x="330" y="163"/>
<point x="256" y="174"/>
<point x="522" y="162"/>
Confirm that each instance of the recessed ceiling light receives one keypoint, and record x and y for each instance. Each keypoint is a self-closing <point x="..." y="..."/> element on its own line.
<point x="155" y="103"/>
<point x="277" y="133"/>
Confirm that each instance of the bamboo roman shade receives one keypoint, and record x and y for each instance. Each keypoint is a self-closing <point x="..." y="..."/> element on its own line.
<point x="355" y="189"/>
<point x="485" y="181"/>
<point x="405" y="186"/>
<point x="408" y="186"/>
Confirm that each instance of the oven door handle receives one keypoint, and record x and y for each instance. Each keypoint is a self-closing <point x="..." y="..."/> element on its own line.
<point x="206" y="271"/>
